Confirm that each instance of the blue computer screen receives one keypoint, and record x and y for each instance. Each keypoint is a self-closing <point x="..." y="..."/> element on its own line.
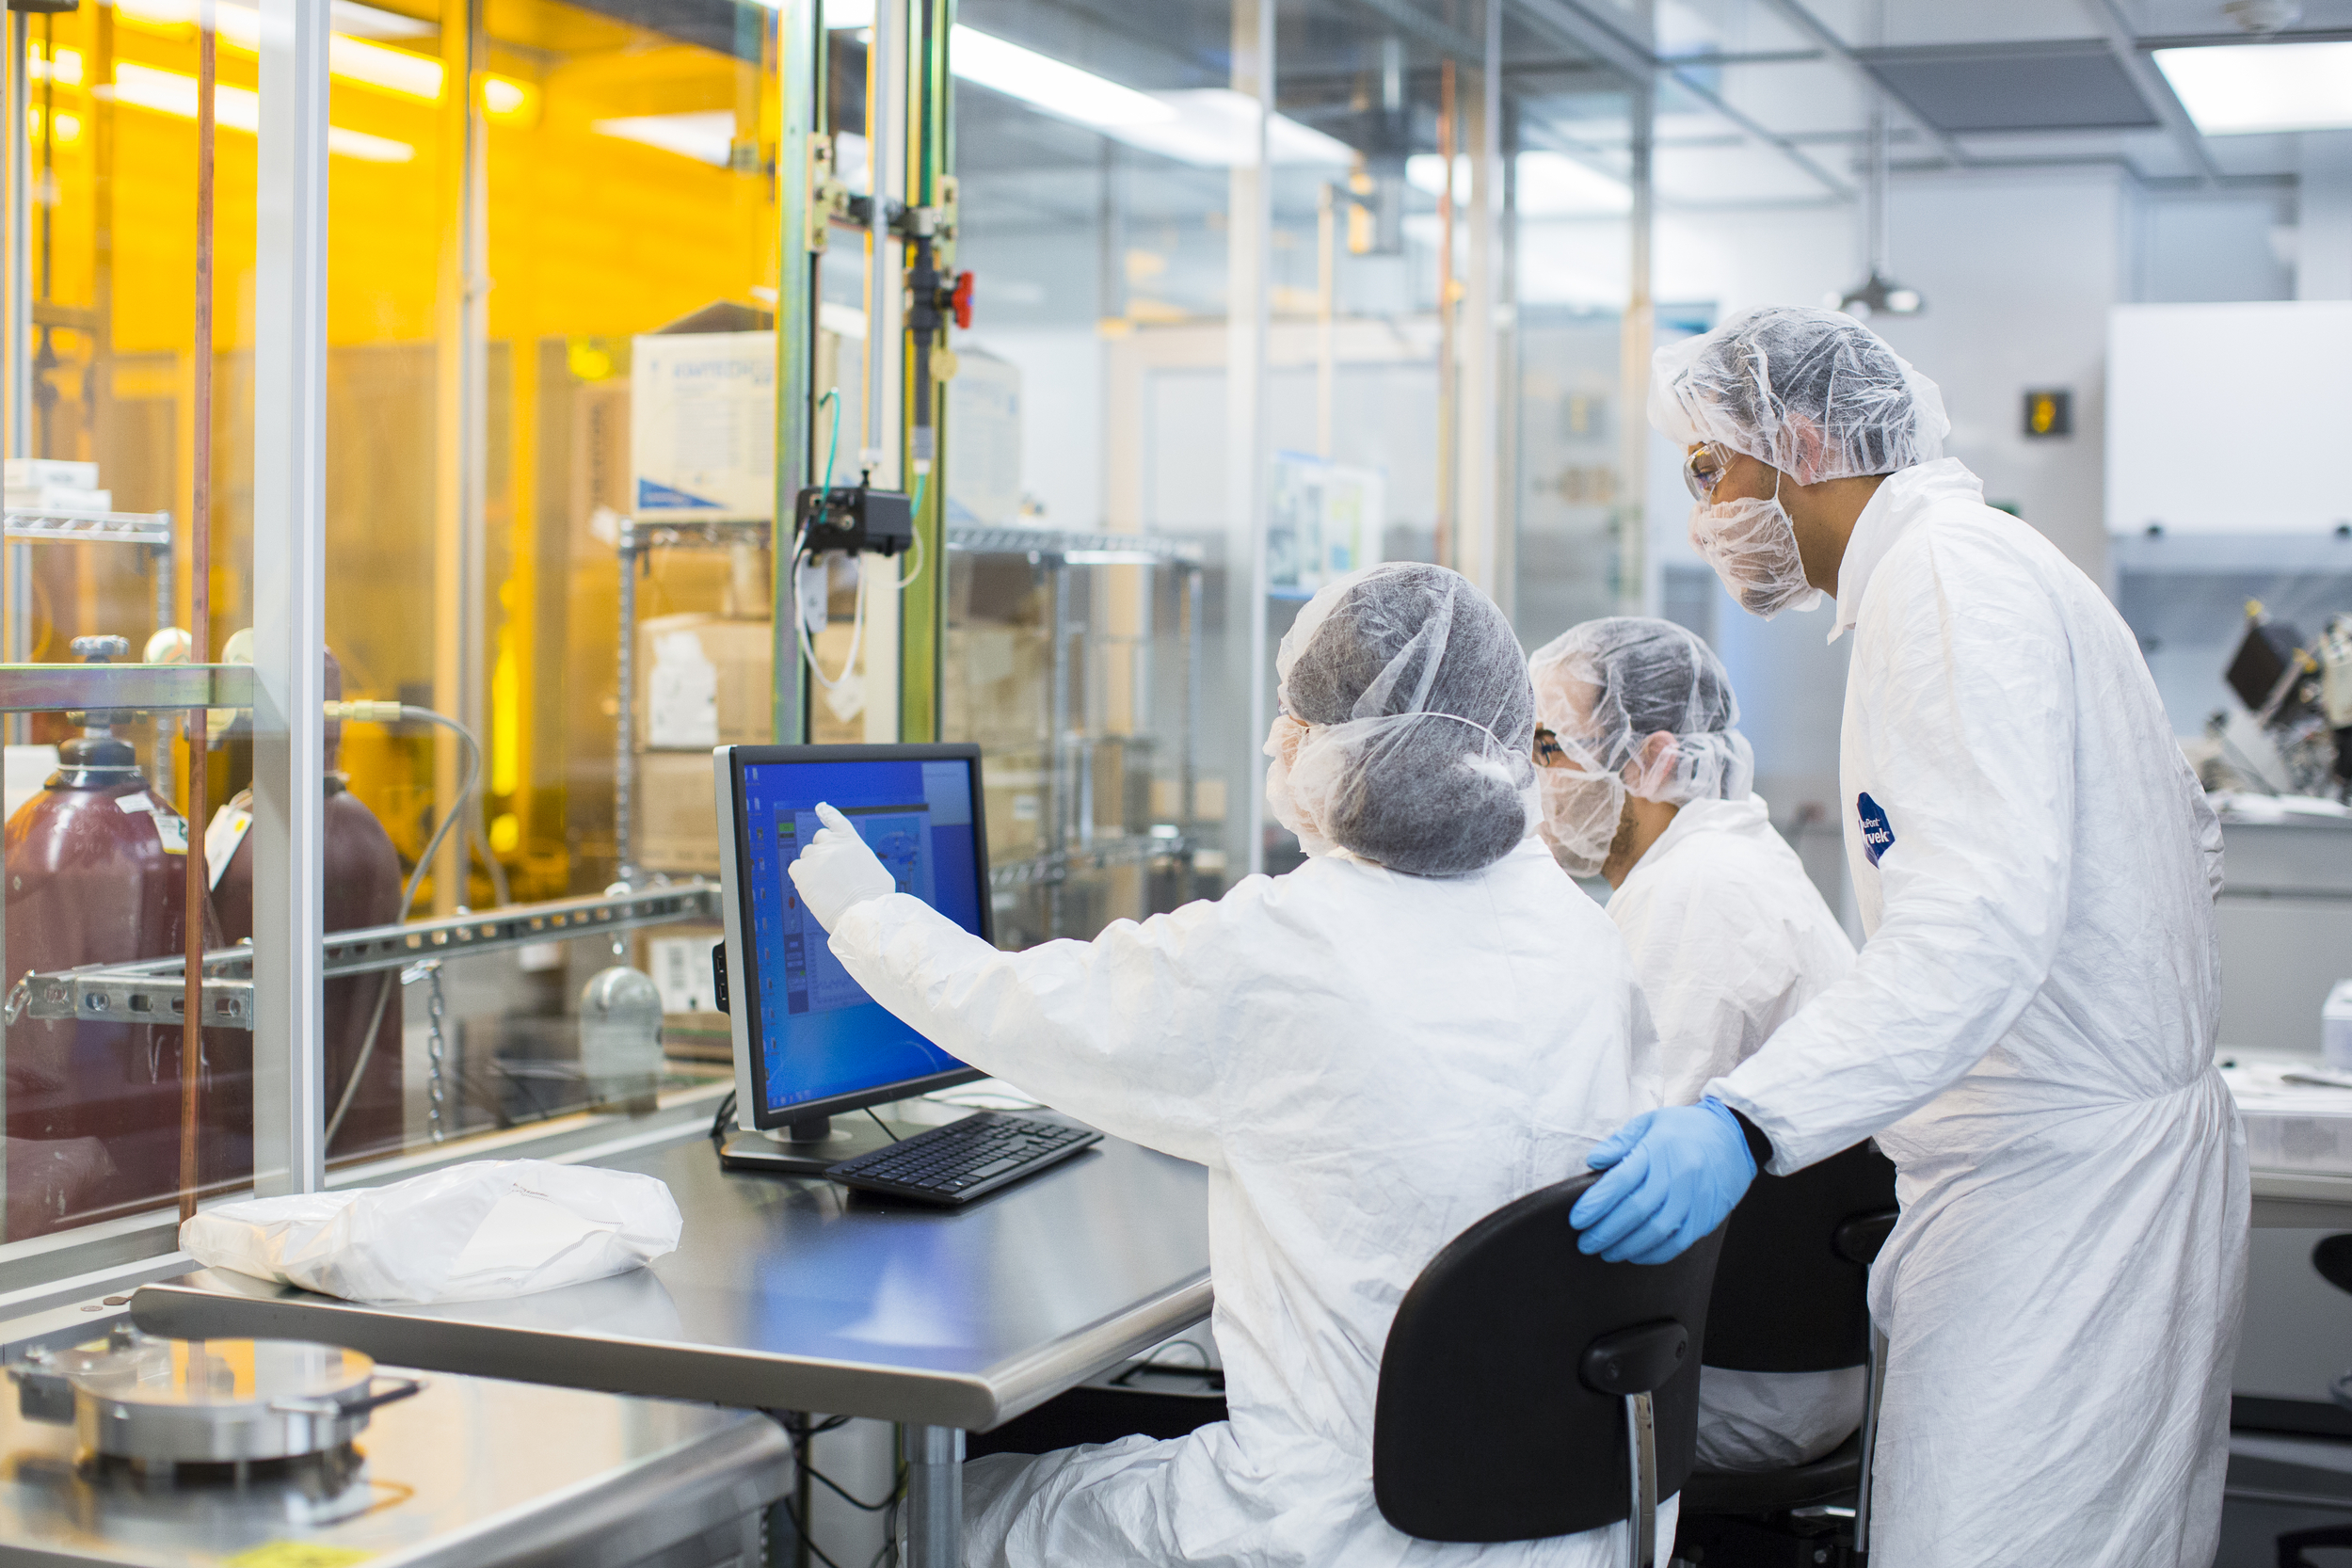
<point x="820" y="1034"/>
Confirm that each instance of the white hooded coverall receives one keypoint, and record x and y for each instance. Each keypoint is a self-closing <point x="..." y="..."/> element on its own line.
<point x="1729" y="939"/>
<point x="2035" y="1013"/>
<point x="1368" y="1063"/>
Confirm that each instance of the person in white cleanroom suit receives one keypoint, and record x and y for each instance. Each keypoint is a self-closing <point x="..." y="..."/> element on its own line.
<point x="2028" y="1029"/>
<point x="1644" y="780"/>
<point x="1422" y="1023"/>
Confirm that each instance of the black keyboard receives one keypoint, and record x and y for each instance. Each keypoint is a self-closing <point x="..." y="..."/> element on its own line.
<point x="958" y="1162"/>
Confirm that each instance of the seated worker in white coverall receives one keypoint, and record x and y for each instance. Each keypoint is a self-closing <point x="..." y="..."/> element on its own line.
<point x="1420" y="1024"/>
<point x="1645" y="781"/>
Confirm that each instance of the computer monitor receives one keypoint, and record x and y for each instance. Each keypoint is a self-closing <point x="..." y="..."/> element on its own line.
<point x="809" y="1044"/>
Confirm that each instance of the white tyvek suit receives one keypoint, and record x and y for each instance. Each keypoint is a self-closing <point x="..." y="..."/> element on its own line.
<point x="2035" y="1011"/>
<point x="1368" y="1063"/>
<point x="1729" y="939"/>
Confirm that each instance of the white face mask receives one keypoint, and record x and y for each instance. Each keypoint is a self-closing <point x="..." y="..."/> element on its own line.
<point x="1580" y="812"/>
<point x="1283" y="739"/>
<point x="1752" y="547"/>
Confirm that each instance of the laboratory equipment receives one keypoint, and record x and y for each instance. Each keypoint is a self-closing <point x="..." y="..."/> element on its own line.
<point x="809" y="1041"/>
<point x="96" y="874"/>
<point x="2300" y="693"/>
<point x="620" y="1037"/>
<point x="965" y="1159"/>
<point x="157" y="1453"/>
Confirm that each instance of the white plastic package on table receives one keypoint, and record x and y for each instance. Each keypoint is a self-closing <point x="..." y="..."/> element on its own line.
<point x="474" y="1232"/>
<point x="2291" y="1126"/>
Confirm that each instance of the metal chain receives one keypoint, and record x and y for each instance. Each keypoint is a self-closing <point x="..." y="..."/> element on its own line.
<point x="435" y="1047"/>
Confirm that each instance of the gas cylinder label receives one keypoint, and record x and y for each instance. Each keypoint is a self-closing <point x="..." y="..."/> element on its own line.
<point x="223" y="834"/>
<point x="173" y="828"/>
<point x="170" y="826"/>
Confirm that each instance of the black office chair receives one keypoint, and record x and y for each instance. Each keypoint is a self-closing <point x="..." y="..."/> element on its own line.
<point x="1528" y="1390"/>
<point x="1791" y="1296"/>
<point x="2331" y="1258"/>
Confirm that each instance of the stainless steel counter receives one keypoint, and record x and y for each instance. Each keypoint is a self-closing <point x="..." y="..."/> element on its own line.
<point x="469" y="1474"/>
<point x="795" y="1295"/>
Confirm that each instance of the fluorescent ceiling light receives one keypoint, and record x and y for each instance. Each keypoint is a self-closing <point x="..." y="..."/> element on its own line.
<point x="2239" y="89"/>
<point x="840" y="15"/>
<point x="69" y="127"/>
<point x="402" y="73"/>
<point x="1050" y="84"/>
<point x="68" y="72"/>
<point x="707" y="137"/>
<point x="1551" y="184"/>
<point x="1217" y="128"/>
<point x="238" y="109"/>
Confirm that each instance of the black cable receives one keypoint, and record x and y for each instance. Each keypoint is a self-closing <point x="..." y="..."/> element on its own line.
<point x="860" y="1503"/>
<point x="884" y="1126"/>
<point x="725" y="1115"/>
<point x="800" y="1528"/>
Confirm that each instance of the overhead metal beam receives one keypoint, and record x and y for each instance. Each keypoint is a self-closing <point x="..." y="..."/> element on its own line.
<point x="1796" y="15"/>
<point x="2108" y="18"/>
<point x="1412" y="23"/>
<point x="1572" y="22"/>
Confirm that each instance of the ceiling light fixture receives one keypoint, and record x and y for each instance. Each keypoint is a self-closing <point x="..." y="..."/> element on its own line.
<point x="1878" y="294"/>
<point x="2247" y="89"/>
<point x="143" y="86"/>
<point x="1051" y="84"/>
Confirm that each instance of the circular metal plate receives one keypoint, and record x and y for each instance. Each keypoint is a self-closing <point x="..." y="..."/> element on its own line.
<point x="219" y="1401"/>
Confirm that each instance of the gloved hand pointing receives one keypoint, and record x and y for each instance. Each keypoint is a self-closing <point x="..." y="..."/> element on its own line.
<point x="1673" y="1176"/>
<point x="838" y="869"/>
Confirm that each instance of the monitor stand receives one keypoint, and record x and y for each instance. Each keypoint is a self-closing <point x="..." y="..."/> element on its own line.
<point x="805" y="1147"/>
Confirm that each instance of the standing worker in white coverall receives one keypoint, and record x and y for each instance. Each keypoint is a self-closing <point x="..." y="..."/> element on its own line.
<point x="2029" y="1028"/>
<point x="1370" y="1054"/>
<point x="1645" y="779"/>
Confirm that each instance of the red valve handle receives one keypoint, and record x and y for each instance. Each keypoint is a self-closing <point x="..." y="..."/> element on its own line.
<point x="961" y="301"/>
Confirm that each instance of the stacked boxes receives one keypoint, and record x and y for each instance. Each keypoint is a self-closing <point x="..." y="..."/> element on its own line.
<point x="704" y="681"/>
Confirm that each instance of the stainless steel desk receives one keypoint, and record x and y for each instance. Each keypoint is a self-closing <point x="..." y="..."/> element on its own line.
<point x="794" y="1295"/>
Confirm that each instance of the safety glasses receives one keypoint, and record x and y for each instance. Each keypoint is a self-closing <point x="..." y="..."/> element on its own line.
<point x="1703" y="468"/>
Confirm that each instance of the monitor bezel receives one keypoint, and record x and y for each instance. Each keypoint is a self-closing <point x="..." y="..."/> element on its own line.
<point x="729" y="762"/>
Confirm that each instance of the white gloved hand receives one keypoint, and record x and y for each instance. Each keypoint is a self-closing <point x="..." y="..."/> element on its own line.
<point x="838" y="869"/>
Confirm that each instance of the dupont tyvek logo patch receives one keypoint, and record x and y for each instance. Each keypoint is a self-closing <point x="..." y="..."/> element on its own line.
<point x="1877" y="835"/>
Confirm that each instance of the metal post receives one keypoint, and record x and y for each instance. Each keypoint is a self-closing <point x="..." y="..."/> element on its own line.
<point x="1642" y="1482"/>
<point x="289" y="597"/>
<point x="933" y="1535"/>
<point x="625" y="712"/>
<point x="1249" y="254"/>
<point x="1190" y="761"/>
<point x="1058" y="742"/>
<point x="1633" y="459"/>
<point x="797" y="53"/>
<point x="1872" y="1394"/>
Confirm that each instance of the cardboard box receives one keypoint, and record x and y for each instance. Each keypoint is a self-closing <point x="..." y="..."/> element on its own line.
<point x="702" y="425"/>
<point x="704" y="681"/>
<point x="677" y="816"/>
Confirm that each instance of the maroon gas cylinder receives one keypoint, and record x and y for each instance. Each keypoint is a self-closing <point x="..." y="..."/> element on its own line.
<point x="363" y="888"/>
<point x="96" y="874"/>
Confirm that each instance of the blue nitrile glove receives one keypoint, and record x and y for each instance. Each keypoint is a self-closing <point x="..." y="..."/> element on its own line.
<point x="1673" y="1176"/>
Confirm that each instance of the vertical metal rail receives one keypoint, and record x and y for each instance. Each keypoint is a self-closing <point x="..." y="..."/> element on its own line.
<point x="1248" y="264"/>
<point x="933" y="1532"/>
<point x="630" y="555"/>
<point x="289" y="597"/>
<point x="15" y="396"/>
<point x="199" y="610"/>
<point x="1193" y="577"/>
<point x="1633" y="434"/>
<point x="885" y="82"/>
<point x="1058" y="779"/>
<point x="800" y="60"/>
<point x="1448" y="376"/>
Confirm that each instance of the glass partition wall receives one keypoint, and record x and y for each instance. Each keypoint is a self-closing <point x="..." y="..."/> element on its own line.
<point x="528" y="323"/>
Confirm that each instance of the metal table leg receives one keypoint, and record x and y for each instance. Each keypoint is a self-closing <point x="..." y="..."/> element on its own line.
<point x="932" y="1534"/>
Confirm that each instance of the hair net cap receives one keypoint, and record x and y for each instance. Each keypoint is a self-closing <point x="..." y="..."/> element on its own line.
<point x="1406" y="724"/>
<point x="1813" y="393"/>
<point x="1605" y="689"/>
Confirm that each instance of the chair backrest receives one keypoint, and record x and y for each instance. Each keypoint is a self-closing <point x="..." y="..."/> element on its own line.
<point x="1790" y="1289"/>
<point x="1491" y="1424"/>
<point x="2331" y="1255"/>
